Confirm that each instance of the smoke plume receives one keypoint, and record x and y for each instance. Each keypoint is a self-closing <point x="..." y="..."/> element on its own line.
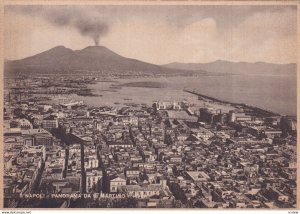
<point x="87" y="22"/>
<point x="91" y="28"/>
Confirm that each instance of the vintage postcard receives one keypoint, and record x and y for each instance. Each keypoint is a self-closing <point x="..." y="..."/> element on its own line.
<point x="149" y="104"/>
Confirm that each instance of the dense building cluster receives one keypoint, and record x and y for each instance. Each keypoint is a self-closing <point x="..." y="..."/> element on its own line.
<point x="165" y="155"/>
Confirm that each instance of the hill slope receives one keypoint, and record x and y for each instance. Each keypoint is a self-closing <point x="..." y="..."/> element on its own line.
<point x="227" y="67"/>
<point x="93" y="58"/>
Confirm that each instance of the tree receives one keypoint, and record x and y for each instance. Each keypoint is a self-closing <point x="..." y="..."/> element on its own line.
<point x="177" y="192"/>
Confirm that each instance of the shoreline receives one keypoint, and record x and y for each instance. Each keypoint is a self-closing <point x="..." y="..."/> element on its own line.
<point x="268" y="113"/>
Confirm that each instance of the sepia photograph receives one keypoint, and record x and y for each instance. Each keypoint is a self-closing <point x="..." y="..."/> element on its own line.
<point x="150" y="105"/>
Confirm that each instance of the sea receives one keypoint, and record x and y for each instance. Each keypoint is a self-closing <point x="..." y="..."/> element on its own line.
<point x="277" y="93"/>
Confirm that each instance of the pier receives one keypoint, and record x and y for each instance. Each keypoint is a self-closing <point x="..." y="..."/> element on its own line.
<point x="258" y="111"/>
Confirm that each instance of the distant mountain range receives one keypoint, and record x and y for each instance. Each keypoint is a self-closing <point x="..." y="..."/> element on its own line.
<point x="226" y="67"/>
<point x="101" y="60"/>
<point x="93" y="58"/>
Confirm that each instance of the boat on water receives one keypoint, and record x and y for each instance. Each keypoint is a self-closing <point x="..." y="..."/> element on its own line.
<point x="73" y="103"/>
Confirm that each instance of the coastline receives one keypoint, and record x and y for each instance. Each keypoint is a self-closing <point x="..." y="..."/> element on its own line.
<point x="264" y="112"/>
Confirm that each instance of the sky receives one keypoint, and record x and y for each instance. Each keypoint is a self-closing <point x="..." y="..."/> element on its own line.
<point x="157" y="34"/>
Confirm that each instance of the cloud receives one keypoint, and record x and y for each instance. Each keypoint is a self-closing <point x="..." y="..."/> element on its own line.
<point x="264" y="37"/>
<point x="261" y="34"/>
<point x="87" y="22"/>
